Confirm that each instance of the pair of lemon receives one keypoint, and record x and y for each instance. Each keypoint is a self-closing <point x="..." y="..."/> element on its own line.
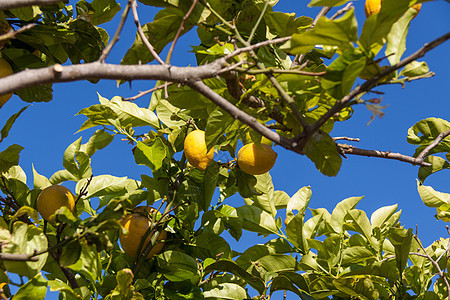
<point x="252" y="158"/>
<point x="137" y="223"/>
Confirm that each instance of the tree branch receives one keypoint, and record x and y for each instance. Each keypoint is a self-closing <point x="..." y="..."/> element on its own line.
<point x="142" y="34"/>
<point x="17" y="257"/>
<point x="9" y="4"/>
<point x="180" y="29"/>
<point x="12" y="33"/>
<point x="436" y="142"/>
<point x="366" y="86"/>
<point x="238" y="114"/>
<point x="116" y="37"/>
<point x="348" y="149"/>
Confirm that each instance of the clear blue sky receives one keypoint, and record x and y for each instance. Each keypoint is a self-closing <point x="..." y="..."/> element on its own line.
<point x="46" y="129"/>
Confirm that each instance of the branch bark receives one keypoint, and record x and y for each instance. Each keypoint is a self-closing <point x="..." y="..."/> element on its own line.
<point x="9" y="4"/>
<point x="347" y="149"/>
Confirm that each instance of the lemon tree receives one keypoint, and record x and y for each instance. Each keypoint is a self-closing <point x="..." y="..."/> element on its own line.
<point x="261" y="77"/>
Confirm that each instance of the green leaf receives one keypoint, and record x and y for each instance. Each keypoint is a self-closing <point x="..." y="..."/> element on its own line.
<point x="360" y="223"/>
<point x="218" y="123"/>
<point x="342" y="73"/>
<point x="229" y="291"/>
<point x="432" y="198"/>
<point x="377" y="26"/>
<point x="9" y="157"/>
<point x="361" y="287"/>
<point x="98" y="115"/>
<point x="414" y="69"/>
<point x="25" y="240"/>
<point x="257" y="220"/>
<point x="177" y="266"/>
<point x="201" y="185"/>
<point x="401" y="239"/>
<point x="104" y="10"/>
<point x="129" y="114"/>
<point x="288" y="281"/>
<point x="299" y="202"/>
<point x="59" y="286"/>
<point x="426" y="131"/>
<point x="382" y="215"/>
<point x="26" y="13"/>
<point x="34" y="289"/>
<point x="77" y="162"/>
<point x="151" y="155"/>
<point x="281" y="24"/>
<point x="42" y="93"/>
<point x="340" y="32"/>
<point x="321" y="149"/>
<point x="9" y="123"/>
<point x="356" y="254"/>
<point x="99" y="140"/>
<point x="39" y="181"/>
<point x="396" y="39"/>
<point x="274" y="263"/>
<point x="106" y="185"/>
<point x="265" y="200"/>
<point x="70" y="253"/>
<point x="437" y="164"/>
<point x="231" y="267"/>
<point x="280" y="199"/>
<point x="208" y="244"/>
<point x="340" y="212"/>
<point x="89" y="263"/>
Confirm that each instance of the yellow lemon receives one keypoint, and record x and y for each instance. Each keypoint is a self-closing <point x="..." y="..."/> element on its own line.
<point x="137" y="225"/>
<point x="53" y="198"/>
<point x="195" y="150"/>
<point x="5" y="70"/>
<point x="256" y="159"/>
<point x="373" y="7"/>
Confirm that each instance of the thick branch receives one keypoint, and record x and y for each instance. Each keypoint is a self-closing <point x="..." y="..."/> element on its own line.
<point x="9" y="4"/>
<point x="58" y="73"/>
<point x="347" y="149"/>
<point x="17" y="257"/>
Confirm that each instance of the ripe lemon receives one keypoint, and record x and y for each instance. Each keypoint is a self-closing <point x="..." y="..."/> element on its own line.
<point x="5" y="70"/>
<point x="137" y="225"/>
<point x="53" y="198"/>
<point x="195" y="150"/>
<point x="256" y="159"/>
<point x="373" y="7"/>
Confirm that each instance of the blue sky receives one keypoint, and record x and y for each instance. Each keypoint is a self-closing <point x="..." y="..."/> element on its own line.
<point x="46" y="129"/>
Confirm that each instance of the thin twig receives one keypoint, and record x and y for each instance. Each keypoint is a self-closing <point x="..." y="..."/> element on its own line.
<point x="116" y="37"/>
<point x="159" y="87"/>
<point x="322" y="13"/>
<point x="440" y="273"/>
<point x="256" y="46"/>
<point x="281" y="71"/>
<point x="142" y="34"/>
<point x="180" y="29"/>
<point x="342" y="11"/>
<point x="255" y="27"/>
<point x="340" y="138"/>
<point x="348" y="149"/>
<point x="12" y="33"/>
<point x="436" y="142"/>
